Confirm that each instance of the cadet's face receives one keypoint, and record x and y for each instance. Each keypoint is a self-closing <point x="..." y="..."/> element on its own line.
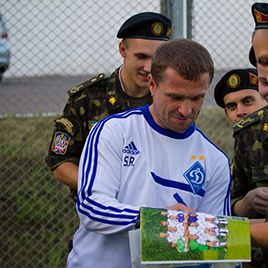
<point x="137" y="54"/>
<point x="260" y="45"/>
<point x="263" y="80"/>
<point x="176" y="101"/>
<point x="241" y="103"/>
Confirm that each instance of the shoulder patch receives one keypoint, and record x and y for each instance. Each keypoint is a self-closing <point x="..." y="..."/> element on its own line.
<point x="60" y="143"/>
<point x="248" y="120"/>
<point x="91" y="81"/>
<point x="66" y="123"/>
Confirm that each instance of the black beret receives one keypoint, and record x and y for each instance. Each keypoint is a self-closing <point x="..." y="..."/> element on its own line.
<point x="260" y="15"/>
<point x="233" y="81"/>
<point x="252" y="57"/>
<point x="146" y="25"/>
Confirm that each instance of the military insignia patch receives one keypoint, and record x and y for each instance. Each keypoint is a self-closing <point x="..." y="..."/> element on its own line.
<point x="157" y="28"/>
<point x="67" y="123"/>
<point x="233" y="81"/>
<point x="169" y="31"/>
<point x="248" y="120"/>
<point x="60" y="143"/>
<point x="253" y="79"/>
<point x="260" y="113"/>
<point x="75" y="89"/>
<point x="112" y="100"/>
<point x="260" y="17"/>
<point x="195" y="176"/>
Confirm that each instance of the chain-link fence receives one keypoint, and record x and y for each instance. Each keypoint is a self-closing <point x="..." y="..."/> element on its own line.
<point x="54" y="46"/>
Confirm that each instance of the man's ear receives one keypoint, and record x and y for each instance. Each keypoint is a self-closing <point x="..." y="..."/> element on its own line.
<point x="152" y="85"/>
<point x="122" y="49"/>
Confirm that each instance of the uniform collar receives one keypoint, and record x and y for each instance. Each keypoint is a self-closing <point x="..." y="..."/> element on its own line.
<point x="114" y="93"/>
<point x="172" y="134"/>
<point x="116" y="99"/>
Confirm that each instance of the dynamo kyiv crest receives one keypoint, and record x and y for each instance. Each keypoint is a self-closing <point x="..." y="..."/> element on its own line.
<point x="195" y="176"/>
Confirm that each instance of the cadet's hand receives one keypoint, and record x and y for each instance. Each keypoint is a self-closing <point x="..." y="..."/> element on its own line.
<point x="257" y="200"/>
<point x="181" y="207"/>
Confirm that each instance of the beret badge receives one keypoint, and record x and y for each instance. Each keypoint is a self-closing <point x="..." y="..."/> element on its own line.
<point x="233" y="81"/>
<point x="169" y="31"/>
<point x="253" y="79"/>
<point x="157" y="28"/>
<point x="260" y="17"/>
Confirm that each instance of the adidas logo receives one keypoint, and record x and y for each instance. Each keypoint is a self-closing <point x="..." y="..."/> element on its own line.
<point x="131" y="149"/>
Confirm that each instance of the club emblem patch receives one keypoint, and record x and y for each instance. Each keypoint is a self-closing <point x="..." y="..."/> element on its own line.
<point x="60" y="143"/>
<point x="195" y="176"/>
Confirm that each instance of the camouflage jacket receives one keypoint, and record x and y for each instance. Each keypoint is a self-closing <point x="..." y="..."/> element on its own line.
<point x="250" y="166"/>
<point x="250" y="162"/>
<point x="88" y="102"/>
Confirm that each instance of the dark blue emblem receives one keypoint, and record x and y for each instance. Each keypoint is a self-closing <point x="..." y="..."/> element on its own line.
<point x="195" y="176"/>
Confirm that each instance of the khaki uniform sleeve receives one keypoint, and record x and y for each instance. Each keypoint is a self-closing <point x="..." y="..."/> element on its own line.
<point x="69" y="134"/>
<point x="86" y="106"/>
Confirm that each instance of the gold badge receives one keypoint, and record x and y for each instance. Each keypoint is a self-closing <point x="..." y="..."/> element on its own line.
<point x="253" y="79"/>
<point x="233" y="81"/>
<point x="112" y="100"/>
<point x="157" y="28"/>
<point x="265" y="127"/>
<point x="168" y="32"/>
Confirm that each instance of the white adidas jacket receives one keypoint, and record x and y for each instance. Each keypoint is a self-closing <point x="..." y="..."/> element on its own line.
<point x="128" y="161"/>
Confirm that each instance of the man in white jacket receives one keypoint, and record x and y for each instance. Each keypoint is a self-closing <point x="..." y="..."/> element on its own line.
<point x="149" y="156"/>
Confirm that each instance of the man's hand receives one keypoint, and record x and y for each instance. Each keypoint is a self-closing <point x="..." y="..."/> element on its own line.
<point x="255" y="201"/>
<point x="181" y="207"/>
<point x="258" y="199"/>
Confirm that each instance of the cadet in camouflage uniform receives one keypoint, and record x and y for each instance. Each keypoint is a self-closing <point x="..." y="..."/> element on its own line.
<point x="250" y="170"/>
<point x="251" y="146"/>
<point x="251" y="133"/>
<point x="250" y="173"/>
<point x="98" y="97"/>
<point x="237" y="92"/>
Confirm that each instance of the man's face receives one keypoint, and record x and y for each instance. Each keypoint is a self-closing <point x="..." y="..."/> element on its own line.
<point x="137" y="54"/>
<point x="241" y="103"/>
<point x="260" y="45"/>
<point x="177" y="101"/>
